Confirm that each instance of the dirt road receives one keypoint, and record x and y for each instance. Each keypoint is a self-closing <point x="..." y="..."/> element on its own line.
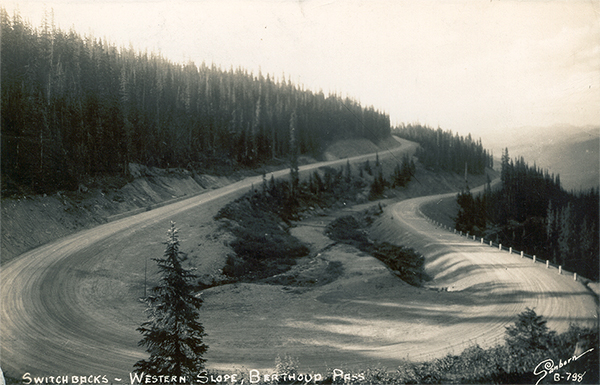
<point x="500" y="285"/>
<point x="71" y="307"/>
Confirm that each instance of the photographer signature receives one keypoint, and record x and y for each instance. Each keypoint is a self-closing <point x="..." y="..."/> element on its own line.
<point x="548" y="366"/>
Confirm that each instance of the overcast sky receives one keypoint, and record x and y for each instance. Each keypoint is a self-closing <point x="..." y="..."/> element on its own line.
<point x="469" y="66"/>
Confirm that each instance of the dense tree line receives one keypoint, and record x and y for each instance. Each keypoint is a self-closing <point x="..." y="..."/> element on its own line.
<point x="442" y="150"/>
<point x="75" y="107"/>
<point x="531" y="212"/>
<point x="572" y="233"/>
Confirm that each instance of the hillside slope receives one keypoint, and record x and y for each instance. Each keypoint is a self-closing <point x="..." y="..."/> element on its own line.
<point x="574" y="161"/>
<point x="79" y="295"/>
<point x="28" y="222"/>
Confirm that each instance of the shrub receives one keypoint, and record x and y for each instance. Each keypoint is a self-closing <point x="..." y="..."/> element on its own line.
<point x="528" y="341"/>
<point x="286" y="365"/>
<point x="236" y="267"/>
<point x="263" y="244"/>
<point x="404" y="261"/>
<point x="347" y="229"/>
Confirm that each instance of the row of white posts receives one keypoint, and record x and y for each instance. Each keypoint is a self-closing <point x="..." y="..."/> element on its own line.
<point x="510" y="249"/>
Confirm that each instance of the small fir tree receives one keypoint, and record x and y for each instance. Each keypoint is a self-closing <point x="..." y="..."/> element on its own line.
<point x="566" y="233"/>
<point x="528" y="341"/>
<point x="397" y="177"/>
<point x="378" y="186"/>
<point x="467" y="211"/>
<point x="172" y="335"/>
<point x="368" y="167"/>
<point x="294" y="168"/>
<point x="348" y="172"/>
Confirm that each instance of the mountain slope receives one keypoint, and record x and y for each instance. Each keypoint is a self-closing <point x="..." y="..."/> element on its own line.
<point x="572" y="152"/>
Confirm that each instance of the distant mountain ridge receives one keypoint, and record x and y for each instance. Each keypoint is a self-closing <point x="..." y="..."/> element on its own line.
<point x="573" y="152"/>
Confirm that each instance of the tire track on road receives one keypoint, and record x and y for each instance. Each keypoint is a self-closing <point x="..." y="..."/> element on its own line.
<point x="47" y="329"/>
<point x="504" y="284"/>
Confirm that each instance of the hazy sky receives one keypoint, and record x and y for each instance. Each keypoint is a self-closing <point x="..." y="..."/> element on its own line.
<point x="469" y="66"/>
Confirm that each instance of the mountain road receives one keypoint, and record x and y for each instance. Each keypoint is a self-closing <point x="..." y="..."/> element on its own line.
<point x="72" y="307"/>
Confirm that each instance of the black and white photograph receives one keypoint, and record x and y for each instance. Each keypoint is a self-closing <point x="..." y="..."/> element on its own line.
<point x="299" y="192"/>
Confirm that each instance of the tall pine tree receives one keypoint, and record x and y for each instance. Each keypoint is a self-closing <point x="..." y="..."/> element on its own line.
<point x="172" y="335"/>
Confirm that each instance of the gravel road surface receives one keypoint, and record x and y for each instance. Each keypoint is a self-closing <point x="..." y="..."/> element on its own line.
<point x="70" y="307"/>
<point x="56" y="320"/>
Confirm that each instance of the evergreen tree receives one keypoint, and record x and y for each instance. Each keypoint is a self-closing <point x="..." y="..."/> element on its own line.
<point x="551" y="231"/>
<point x="467" y="211"/>
<point x="368" y="167"/>
<point x="348" y="172"/>
<point x="294" y="168"/>
<point x="407" y="168"/>
<point x="378" y="186"/>
<point x="587" y="237"/>
<point x="402" y="173"/>
<point x="397" y="177"/>
<point x="565" y="233"/>
<point x="320" y="187"/>
<point x="528" y="340"/>
<point x="172" y="335"/>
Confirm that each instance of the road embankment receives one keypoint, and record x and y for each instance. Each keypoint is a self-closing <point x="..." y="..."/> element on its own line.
<point x="72" y="305"/>
<point x="503" y="283"/>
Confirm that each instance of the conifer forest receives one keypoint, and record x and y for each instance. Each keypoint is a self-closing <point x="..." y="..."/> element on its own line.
<point x="532" y="212"/>
<point x="444" y="151"/>
<point x="75" y="107"/>
<point x="78" y="107"/>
